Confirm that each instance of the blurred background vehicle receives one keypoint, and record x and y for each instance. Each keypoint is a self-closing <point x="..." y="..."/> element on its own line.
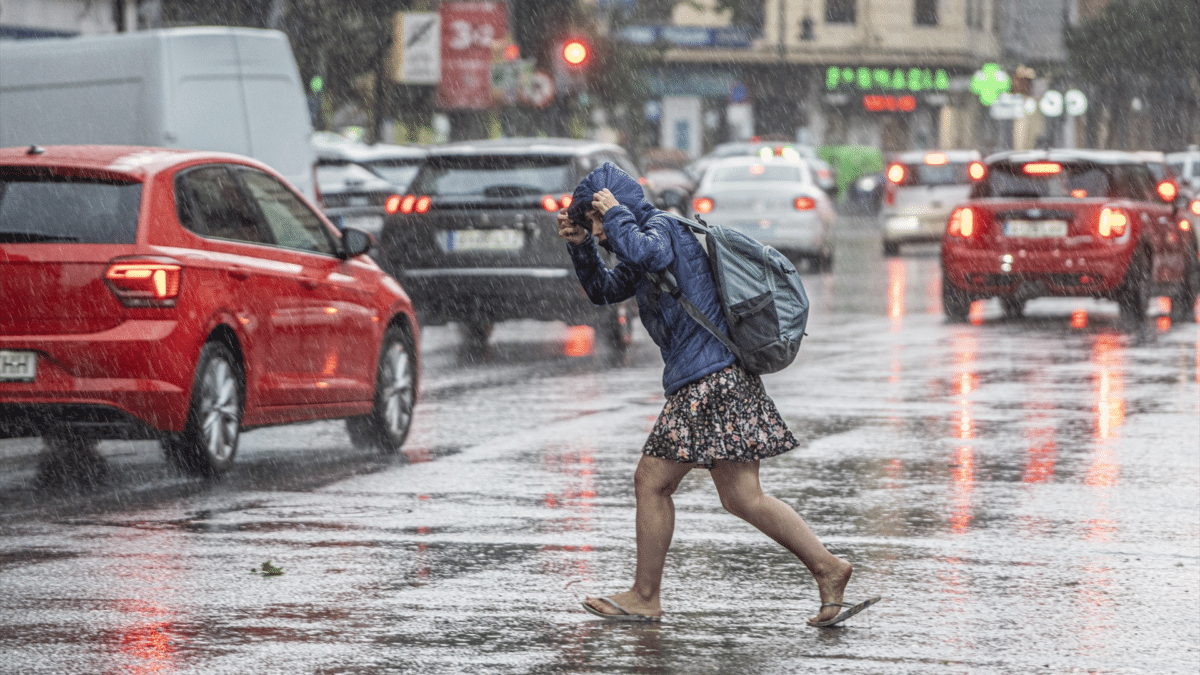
<point x="397" y="164"/>
<point x="475" y="241"/>
<point x="350" y="194"/>
<point x="667" y="175"/>
<point x="823" y="174"/>
<point x="865" y="195"/>
<point x="1069" y="223"/>
<point x="1186" y="166"/>
<point x="921" y="190"/>
<point x="772" y="199"/>
<point x="206" y="296"/>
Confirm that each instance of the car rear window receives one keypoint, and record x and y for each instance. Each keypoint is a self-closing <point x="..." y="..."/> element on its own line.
<point x="950" y="173"/>
<point x="494" y="176"/>
<point x="1079" y="180"/>
<point x="37" y="205"/>
<point x="759" y="172"/>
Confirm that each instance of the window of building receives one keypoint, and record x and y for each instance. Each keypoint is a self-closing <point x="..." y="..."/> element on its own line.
<point x="925" y="12"/>
<point x="839" y="11"/>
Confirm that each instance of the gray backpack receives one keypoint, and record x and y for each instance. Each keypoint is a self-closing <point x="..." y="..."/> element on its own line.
<point x="764" y="303"/>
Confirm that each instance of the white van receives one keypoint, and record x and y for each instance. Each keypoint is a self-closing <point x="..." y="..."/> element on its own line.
<point x="211" y="88"/>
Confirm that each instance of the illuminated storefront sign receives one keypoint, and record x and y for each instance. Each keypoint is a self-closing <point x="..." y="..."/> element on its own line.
<point x="894" y="79"/>
<point x="889" y="103"/>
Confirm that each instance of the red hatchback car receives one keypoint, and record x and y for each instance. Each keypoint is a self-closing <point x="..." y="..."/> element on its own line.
<point x="1069" y="223"/>
<point x="186" y="296"/>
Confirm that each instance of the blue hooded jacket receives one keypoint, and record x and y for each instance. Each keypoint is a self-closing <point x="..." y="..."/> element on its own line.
<point x="645" y="239"/>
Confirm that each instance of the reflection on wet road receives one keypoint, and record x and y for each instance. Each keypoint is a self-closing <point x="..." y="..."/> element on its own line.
<point x="1025" y="494"/>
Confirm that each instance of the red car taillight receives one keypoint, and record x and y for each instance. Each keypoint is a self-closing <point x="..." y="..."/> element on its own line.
<point x="1167" y="191"/>
<point x="392" y="204"/>
<point x="1112" y="223"/>
<point x="149" y="282"/>
<point x="962" y="223"/>
<point x="415" y="204"/>
<point x="976" y="170"/>
<point x="805" y="203"/>
<point x="702" y="205"/>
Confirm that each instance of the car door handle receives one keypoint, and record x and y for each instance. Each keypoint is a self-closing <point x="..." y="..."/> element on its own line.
<point x="238" y="272"/>
<point x="308" y="284"/>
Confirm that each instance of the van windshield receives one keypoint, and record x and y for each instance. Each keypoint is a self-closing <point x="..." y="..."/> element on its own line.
<point x="37" y="205"/>
<point x="494" y="176"/>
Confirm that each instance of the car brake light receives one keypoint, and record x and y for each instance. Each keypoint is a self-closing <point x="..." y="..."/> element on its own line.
<point x="702" y="205"/>
<point x="549" y="203"/>
<point x="407" y="203"/>
<point x="1043" y="168"/>
<point x="150" y="282"/>
<point x="423" y="204"/>
<point x="936" y="159"/>
<point x="805" y="203"/>
<point x="392" y="204"/>
<point x="1167" y="191"/>
<point x="566" y="200"/>
<point x="976" y="170"/>
<point x="1079" y="194"/>
<point x="1112" y="223"/>
<point x="895" y="173"/>
<point x="1185" y="225"/>
<point x="1196" y="207"/>
<point x="962" y="223"/>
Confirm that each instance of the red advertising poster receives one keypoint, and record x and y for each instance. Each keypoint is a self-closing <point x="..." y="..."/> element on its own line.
<point x="469" y="31"/>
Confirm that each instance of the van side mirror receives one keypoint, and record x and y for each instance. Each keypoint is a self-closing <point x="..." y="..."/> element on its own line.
<point x="355" y="242"/>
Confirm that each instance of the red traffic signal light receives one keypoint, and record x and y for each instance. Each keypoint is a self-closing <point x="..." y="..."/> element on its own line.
<point x="575" y="53"/>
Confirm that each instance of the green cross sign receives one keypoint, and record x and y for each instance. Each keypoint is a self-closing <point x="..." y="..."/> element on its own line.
<point x="989" y="82"/>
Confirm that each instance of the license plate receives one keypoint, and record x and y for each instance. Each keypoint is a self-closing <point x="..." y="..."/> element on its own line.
<point x="372" y="224"/>
<point x="1035" y="228"/>
<point x="484" y="240"/>
<point x="18" y="366"/>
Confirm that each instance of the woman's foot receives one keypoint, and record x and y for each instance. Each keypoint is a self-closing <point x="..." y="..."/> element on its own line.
<point x="631" y="602"/>
<point x="831" y="583"/>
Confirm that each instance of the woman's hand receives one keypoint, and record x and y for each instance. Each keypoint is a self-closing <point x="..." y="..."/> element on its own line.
<point x="570" y="231"/>
<point x="603" y="200"/>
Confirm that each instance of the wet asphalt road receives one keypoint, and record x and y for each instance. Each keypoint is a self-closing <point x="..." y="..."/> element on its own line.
<point x="1024" y="494"/>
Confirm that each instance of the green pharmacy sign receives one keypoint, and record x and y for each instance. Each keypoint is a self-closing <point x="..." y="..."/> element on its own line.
<point x="989" y="82"/>
<point x="893" y="79"/>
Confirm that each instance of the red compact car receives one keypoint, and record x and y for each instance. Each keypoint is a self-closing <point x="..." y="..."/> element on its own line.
<point x="1069" y="223"/>
<point x="186" y="296"/>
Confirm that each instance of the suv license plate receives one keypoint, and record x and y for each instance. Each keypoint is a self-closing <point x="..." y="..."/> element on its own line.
<point x="484" y="240"/>
<point x="1035" y="228"/>
<point x="18" y="366"/>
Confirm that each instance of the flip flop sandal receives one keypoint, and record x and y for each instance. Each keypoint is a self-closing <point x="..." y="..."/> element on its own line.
<point x="625" y="615"/>
<point x="853" y="609"/>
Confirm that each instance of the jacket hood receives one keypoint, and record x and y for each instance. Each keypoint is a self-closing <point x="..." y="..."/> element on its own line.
<point x="623" y="186"/>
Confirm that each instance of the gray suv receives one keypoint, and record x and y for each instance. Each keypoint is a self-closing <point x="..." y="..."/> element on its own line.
<point x="476" y="240"/>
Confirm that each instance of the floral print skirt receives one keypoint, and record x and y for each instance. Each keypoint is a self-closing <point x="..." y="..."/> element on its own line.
<point x="726" y="415"/>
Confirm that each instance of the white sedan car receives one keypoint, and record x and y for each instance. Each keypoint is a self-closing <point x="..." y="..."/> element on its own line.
<point x="773" y="199"/>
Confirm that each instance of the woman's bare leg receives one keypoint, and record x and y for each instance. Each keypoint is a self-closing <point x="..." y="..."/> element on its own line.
<point x="654" y="482"/>
<point x="741" y="495"/>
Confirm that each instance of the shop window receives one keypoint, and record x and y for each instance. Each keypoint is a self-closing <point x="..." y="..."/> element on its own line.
<point x="839" y="11"/>
<point x="925" y="12"/>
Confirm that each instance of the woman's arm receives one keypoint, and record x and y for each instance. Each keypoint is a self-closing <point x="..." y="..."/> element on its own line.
<point x="602" y="285"/>
<point x="646" y="248"/>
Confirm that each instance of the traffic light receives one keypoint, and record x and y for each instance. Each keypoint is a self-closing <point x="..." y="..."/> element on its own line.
<point x="572" y="56"/>
<point x="575" y="53"/>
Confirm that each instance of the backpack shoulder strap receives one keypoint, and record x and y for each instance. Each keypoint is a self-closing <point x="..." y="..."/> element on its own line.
<point x="665" y="281"/>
